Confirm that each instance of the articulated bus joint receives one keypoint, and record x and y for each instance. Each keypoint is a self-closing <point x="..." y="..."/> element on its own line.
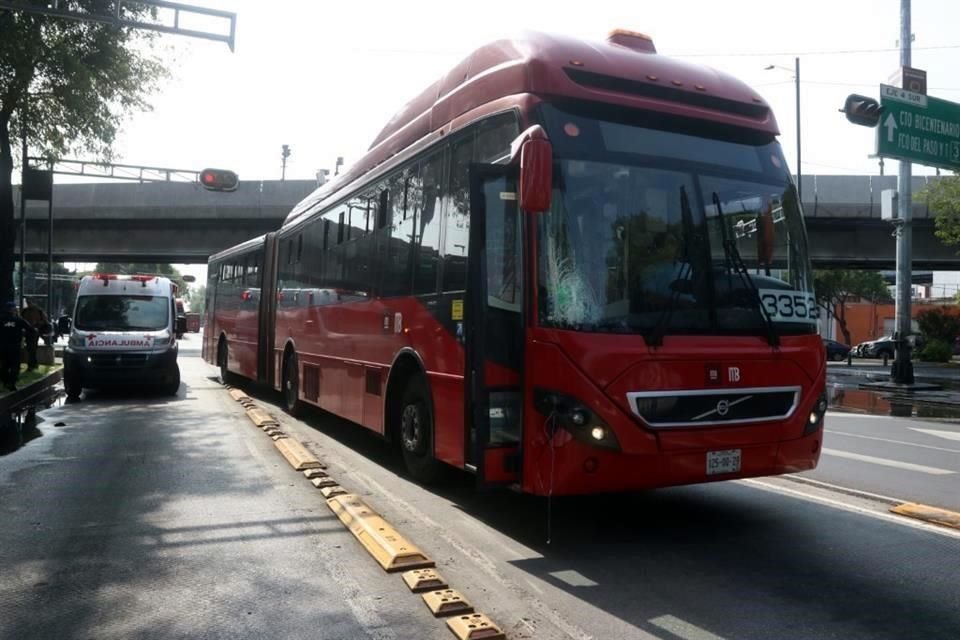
<point x="564" y="411"/>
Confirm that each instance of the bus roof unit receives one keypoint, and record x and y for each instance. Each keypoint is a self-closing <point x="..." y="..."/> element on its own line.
<point x="624" y="70"/>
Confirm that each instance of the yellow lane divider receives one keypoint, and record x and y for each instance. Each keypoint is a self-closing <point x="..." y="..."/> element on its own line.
<point x="391" y="550"/>
<point x="928" y="514"/>
<point x="474" y="626"/>
<point x="297" y="454"/>
<point x="420" y="580"/>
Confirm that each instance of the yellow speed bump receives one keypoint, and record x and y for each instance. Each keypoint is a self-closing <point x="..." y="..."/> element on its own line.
<point x="238" y="395"/>
<point x="446" y="602"/>
<point x="260" y="417"/>
<point x="315" y="473"/>
<point x="475" y="626"/>
<point x="391" y="550"/>
<point x="420" y="580"/>
<point x="321" y="482"/>
<point x="278" y="436"/>
<point x="928" y="514"/>
<point x="296" y="454"/>
<point x="333" y="491"/>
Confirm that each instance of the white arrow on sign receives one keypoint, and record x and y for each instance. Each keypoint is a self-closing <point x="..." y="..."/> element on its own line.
<point x="891" y="124"/>
<point x="949" y="435"/>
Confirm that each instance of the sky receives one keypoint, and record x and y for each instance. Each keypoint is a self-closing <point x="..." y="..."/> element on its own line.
<point x="325" y="77"/>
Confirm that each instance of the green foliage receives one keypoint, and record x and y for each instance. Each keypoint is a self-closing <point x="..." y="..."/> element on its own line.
<point x="197" y="297"/>
<point x="936" y="350"/>
<point x="68" y="83"/>
<point x="835" y="287"/>
<point x="943" y="198"/>
<point x="938" y="324"/>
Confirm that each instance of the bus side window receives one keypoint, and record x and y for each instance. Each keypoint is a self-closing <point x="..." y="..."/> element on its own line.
<point x="494" y="137"/>
<point x="456" y="213"/>
<point x="427" y="228"/>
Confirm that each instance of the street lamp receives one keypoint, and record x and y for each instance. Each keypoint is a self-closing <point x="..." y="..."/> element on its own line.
<point x="796" y="76"/>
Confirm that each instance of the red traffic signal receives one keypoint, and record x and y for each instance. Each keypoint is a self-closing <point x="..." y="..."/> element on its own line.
<point x="862" y="110"/>
<point x="219" y="180"/>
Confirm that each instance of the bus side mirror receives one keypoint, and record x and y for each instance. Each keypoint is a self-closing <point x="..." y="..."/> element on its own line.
<point x="536" y="175"/>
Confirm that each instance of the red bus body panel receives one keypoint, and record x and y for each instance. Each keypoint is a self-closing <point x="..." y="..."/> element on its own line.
<point x="346" y="350"/>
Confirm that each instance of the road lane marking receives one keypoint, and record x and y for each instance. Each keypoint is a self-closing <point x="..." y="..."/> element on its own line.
<point x="844" y="506"/>
<point x="909" y="444"/>
<point x="573" y="578"/>
<point x="948" y="435"/>
<point x="857" y="493"/>
<point x="682" y="628"/>
<point x="934" y="471"/>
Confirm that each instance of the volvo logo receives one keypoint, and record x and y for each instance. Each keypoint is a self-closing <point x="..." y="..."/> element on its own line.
<point x="723" y="407"/>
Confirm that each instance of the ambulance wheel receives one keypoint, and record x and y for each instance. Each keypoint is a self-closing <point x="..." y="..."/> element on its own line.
<point x="72" y="385"/>
<point x="172" y="385"/>
<point x="416" y="432"/>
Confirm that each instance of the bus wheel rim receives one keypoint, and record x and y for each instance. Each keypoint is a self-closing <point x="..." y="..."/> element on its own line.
<point x="412" y="428"/>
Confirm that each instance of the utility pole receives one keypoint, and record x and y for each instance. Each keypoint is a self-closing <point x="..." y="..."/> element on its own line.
<point x="902" y="372"/>
<point x="284" y="155"/>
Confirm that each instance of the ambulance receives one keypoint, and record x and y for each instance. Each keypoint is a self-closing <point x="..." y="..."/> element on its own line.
<point x="124" y="333"/>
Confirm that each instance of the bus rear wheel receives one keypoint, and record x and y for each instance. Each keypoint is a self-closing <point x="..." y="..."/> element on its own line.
<point x="222" y="361"/>
<point x="291" y="386"/>
<point x="416" y="432"/>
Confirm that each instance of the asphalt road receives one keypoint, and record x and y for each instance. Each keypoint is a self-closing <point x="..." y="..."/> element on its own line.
<point x="156" y="518"/>
<point x="913" y="460"/>
<point x="150" y="517"/>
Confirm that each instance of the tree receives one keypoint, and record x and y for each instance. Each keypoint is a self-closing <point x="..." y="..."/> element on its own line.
<point x="836" y="287"/>
<point x="66" y="84"/>
<point x="939" y="324"/>
<point x="197" y="297"/>
<point x="943" y="198"/>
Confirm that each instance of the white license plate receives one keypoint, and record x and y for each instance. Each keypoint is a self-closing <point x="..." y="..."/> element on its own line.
<point x="726" y="461"/>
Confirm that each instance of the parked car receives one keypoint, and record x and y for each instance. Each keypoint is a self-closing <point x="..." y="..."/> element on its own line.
<point x="835" y="350"/>
<point x="878" y="348"/>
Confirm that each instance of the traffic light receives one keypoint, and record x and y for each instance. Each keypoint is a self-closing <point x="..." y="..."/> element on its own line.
<point x="219" y="180"/>
<point x="862" y="110"/>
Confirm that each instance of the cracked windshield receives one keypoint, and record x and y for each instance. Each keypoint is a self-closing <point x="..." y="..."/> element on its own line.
<point x="656" y="230"/>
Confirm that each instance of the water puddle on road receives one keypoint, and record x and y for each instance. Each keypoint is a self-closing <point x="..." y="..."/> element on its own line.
<point x="940" y="405"/>
<point x="22" y="426"/>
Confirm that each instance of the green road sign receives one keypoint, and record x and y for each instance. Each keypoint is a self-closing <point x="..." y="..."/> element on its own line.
<point x="919" y="128"/>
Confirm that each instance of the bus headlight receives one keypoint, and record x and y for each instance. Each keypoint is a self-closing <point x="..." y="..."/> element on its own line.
<point x="572" y="415"/>
<point x="815" y="419"/>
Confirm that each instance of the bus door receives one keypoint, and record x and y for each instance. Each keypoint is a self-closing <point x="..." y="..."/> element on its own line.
<point x="494" y="327"/>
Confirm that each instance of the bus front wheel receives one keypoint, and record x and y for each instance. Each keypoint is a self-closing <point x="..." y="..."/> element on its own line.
<point x="416" y="432"/>
<point x="291" y="386"/>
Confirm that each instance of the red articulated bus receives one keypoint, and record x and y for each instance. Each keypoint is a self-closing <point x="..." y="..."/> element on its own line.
<point x="567" y="267"/>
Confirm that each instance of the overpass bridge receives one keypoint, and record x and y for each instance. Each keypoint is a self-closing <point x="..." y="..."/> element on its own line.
<point x="184" y="223"/>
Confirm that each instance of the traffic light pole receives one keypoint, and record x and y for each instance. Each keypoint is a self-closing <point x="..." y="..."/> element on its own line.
<point x="902" y="371"/>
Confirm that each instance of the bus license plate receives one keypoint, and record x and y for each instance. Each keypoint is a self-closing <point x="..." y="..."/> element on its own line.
<point x="726" y="461"/>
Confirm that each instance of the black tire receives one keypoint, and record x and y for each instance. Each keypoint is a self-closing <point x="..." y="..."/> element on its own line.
<point x="839" y="357"/>
<point x="416" y="432"/>
<point x="222" y="361"/>
<point x="172" y="386"/>
<point x="72" y="385"/>
<point x="291" y="386"/>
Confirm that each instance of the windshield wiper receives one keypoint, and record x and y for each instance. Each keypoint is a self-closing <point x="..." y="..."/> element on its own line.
<point x="734" y="258"/>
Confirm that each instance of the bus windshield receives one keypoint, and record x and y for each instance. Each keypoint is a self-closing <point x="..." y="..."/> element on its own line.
<point x="654" y="230"/>
<point x="122" y="313"/>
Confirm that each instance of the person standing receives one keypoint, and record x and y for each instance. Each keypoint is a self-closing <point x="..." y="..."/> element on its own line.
<point x="13" y="329"/>
<point x="37" y="319"/>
